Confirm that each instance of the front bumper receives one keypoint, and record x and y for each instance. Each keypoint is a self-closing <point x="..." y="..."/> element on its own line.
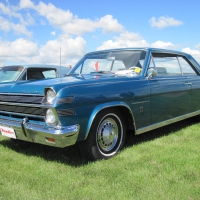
<point x="28" y="131"/>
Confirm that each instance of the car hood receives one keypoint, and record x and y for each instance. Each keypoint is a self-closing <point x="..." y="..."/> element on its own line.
<point x="28" y="87"/>
<point x="37" y="86"/>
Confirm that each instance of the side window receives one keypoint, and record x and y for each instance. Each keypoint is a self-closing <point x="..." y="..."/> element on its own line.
<point x="23" y="77"/>
<point x="151" y="64"/>
<point x="49" y="73"/>
<point x="186" y="67"/>
<point x="167" y="66"/>
<point x="33" y="74"/>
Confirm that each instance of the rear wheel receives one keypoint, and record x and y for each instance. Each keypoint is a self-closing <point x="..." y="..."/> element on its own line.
<point x="106" y="136"/>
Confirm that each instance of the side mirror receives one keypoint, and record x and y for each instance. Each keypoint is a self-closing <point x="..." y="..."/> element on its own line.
<point x="151" y="73"/>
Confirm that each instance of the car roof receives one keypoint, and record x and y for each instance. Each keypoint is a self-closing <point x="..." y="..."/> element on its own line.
<point x="141" y="49"/>
<point x="37" y="66"/>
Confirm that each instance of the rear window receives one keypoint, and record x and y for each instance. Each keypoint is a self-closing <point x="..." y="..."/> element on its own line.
<point x="38" y="73"/>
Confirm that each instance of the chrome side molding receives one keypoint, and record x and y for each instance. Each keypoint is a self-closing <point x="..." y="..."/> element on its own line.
<point x="167" y="122"/>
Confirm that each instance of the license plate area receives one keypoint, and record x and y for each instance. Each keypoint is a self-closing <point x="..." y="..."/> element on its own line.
<point x="8" y="132"/>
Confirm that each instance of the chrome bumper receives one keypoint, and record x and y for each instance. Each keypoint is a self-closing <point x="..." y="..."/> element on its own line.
<point x="62" y="136"/>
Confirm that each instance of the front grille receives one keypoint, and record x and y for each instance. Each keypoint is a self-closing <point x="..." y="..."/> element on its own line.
<point x="17" y="119"/>
<point x="33" y="99"/>
<point x="23" y="110"/>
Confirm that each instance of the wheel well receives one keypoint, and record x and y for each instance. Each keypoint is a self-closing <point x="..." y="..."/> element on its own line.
<point x="129" y="120"/>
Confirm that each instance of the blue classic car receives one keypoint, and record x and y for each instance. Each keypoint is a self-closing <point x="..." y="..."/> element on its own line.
<point x="31" y="72"/>
<point x="106" y="94"/>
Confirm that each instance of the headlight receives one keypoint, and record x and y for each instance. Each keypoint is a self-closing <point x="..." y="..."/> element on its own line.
<point x="50" y="95"/>
<point x="50" y="118"/>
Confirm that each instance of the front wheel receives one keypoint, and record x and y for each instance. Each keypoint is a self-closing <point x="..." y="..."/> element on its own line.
<point x="106" y="137"/>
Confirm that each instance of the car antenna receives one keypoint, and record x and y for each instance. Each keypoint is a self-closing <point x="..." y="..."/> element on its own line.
<point x="60" y="61"/>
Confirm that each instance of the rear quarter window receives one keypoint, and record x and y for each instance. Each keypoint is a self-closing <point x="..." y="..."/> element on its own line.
<point x="49" y="74"/>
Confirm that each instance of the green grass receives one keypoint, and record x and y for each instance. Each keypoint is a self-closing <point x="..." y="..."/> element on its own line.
<point x="161" y="164"/>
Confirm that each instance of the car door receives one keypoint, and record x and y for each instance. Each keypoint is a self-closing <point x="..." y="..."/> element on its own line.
<point x="170" y="90"/>
<point x="193" y="81"/>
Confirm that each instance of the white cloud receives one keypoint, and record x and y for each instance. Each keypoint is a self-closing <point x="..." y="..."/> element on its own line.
<point x="53" y="33"/>
<point x="10" y="11"/>
<point x="56" y="16"/>
<point x="13" y="12"/>
<point x="71" y="50"/>
<point x="25" y="51"/>
<point x="29" y="20"/>
<point x="130" y="39"/>
<point x="23" y="48"/>
<point x="20" y="50"/>
<point x="69" y="23"/>
<point x="126" y="39"/>
<point x="20" y="17"/>
<point x="21" y="22"/>
<point x="109" y="24"/>
<point x="163" y="22"/>
<point x="164" y="45"/>
<point x="26" y="4"/>
<point x="72" y="47"/>
<point x="80" y="26"/>
<point x="194" y="53"/>
<point x="7" y="26"/>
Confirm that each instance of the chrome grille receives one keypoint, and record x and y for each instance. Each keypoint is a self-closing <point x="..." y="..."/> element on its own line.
<point x="23" y="110"/>
<point x="33" y="99"/>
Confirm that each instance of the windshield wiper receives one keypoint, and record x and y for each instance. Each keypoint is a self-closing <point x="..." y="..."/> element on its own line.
<point x="70" y="75"/>
<point x="102" y="72"/>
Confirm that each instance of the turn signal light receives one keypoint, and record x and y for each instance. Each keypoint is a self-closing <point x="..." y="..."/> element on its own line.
<point x="51" y="140"/>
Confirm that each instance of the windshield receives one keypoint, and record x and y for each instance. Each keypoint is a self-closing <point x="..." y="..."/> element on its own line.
<point x="118" y="62"/>
<point x="10" y="73"/>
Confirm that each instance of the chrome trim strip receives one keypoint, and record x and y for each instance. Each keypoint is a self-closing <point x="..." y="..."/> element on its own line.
<point x="167" y="122"/>
<point x="20" y="94"/>
<point x="139" y="102"/>
<point x="23" y="114"/>
<point x="21" y="99"/>
<point x="26" y="105"/>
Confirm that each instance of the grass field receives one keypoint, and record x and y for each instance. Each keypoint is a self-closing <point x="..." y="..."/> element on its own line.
<point x="161" y="164"/>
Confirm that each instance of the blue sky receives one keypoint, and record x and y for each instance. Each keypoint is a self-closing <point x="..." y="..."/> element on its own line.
<point x="35" y="31"/>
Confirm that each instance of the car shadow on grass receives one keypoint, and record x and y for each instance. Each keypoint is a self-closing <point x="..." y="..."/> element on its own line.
<point x="71" y="155"/>
<point x="132" y="139"/>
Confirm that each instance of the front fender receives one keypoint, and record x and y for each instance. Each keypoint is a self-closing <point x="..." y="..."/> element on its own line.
<point x="100" y="107"/>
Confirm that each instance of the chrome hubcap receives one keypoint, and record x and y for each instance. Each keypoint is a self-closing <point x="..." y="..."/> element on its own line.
<point x="108" y="134"/>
